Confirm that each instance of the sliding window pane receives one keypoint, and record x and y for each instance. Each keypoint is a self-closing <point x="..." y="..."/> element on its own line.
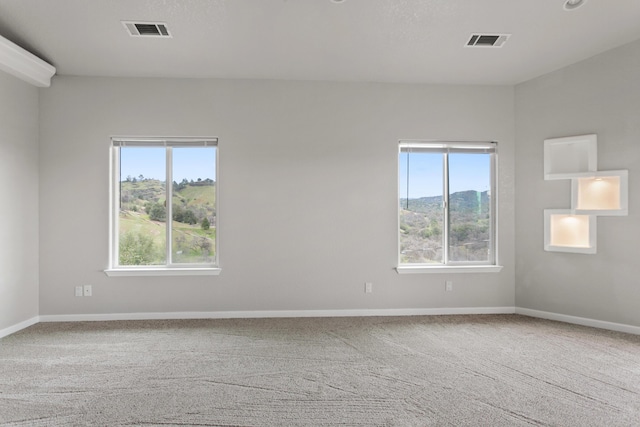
<point x="141" y="225"/>
<point x="193" y="227"/>
<point x="469" y="207"/>
<point x="421" y="207"/>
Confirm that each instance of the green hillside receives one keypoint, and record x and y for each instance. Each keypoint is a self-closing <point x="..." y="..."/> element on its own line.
<point x="143" y="216"/>
<point x="462" y="203"/>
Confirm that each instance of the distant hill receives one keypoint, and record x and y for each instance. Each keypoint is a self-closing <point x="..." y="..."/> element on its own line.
<point x="198" y="197"/>
<point x="147" y="190"/>
<point x="421" y="227"/>
<point x="462" y="204"/>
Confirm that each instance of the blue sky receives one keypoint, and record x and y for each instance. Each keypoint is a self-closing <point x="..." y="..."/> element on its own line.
<point x="188" y="162"/>
<point x="466" y="172"/>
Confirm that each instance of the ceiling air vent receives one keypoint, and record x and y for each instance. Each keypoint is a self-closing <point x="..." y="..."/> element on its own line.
<point x="146" y="29"/>
<point x="487" y="40"/>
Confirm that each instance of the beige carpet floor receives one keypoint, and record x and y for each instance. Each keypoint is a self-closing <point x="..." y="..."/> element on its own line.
<point x="485" y="370"/>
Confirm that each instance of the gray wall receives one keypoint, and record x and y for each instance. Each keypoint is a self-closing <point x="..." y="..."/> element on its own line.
<point x="600" y="95"/>
<point x="19" y="196"/>
<point x="307" y="191"/>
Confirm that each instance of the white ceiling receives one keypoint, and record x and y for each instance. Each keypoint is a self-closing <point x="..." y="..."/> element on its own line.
<point x="357" y="40"/>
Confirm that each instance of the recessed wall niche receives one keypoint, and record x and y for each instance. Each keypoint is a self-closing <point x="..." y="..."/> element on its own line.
<point x="564" y="158"/>
<point x="601" y="193"/>
<point x="593" y="193"/>
<point x="566" y="231"/>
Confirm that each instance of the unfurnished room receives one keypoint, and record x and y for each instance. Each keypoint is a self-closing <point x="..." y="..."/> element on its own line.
<point x="319" y="213"/>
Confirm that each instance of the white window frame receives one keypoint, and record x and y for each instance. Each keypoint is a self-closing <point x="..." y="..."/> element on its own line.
<point x="168" y="269"/>
<point x="444" y="148"/>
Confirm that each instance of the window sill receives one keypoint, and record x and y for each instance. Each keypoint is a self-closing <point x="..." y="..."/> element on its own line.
<point x="121" y="272"/>
<point x="449" y="269"/>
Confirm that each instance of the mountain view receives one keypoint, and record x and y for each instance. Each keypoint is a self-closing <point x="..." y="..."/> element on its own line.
<point x="421" y="227"/>
<point x="143" y="215"/>
<point x="142" y="232"/>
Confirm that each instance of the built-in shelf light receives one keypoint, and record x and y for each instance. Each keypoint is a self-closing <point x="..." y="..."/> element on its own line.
<point x="566" y="231"/>
<point x="570" y="230"/>
<point x="599" y="193"/>
<point x="603" y="193"/>
<point x="24" y="65"/>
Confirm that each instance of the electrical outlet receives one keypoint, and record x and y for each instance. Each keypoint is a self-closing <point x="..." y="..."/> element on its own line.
<point x="448" y="285"/>
<point x="368" y="287"/>
<point x="87" y="291"/>
<point x="78" y="291"/>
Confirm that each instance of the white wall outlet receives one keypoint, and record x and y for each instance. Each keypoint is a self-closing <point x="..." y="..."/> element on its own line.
<point x="368" y="287"/>
<point x="448" y="285"/>
<point x="78" y="291"/>
<point x="87" y="291"/>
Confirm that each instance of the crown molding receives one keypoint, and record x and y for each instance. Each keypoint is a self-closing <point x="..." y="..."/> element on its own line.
<point x="24" y="65"/>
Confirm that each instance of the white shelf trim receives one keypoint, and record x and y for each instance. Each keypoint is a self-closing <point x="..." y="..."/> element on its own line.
<point x="564" y="158"/>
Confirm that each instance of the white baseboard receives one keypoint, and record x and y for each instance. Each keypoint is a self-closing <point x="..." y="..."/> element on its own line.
<point x="18" y="327"/>
<point x="275" y="313"/>
<point x="619" y="327"/>
<point x="601" y="324"/>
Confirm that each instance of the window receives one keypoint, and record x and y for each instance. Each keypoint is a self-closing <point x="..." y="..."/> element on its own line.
<point x="164" y="210"/>
<point x="447" y="204"/>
